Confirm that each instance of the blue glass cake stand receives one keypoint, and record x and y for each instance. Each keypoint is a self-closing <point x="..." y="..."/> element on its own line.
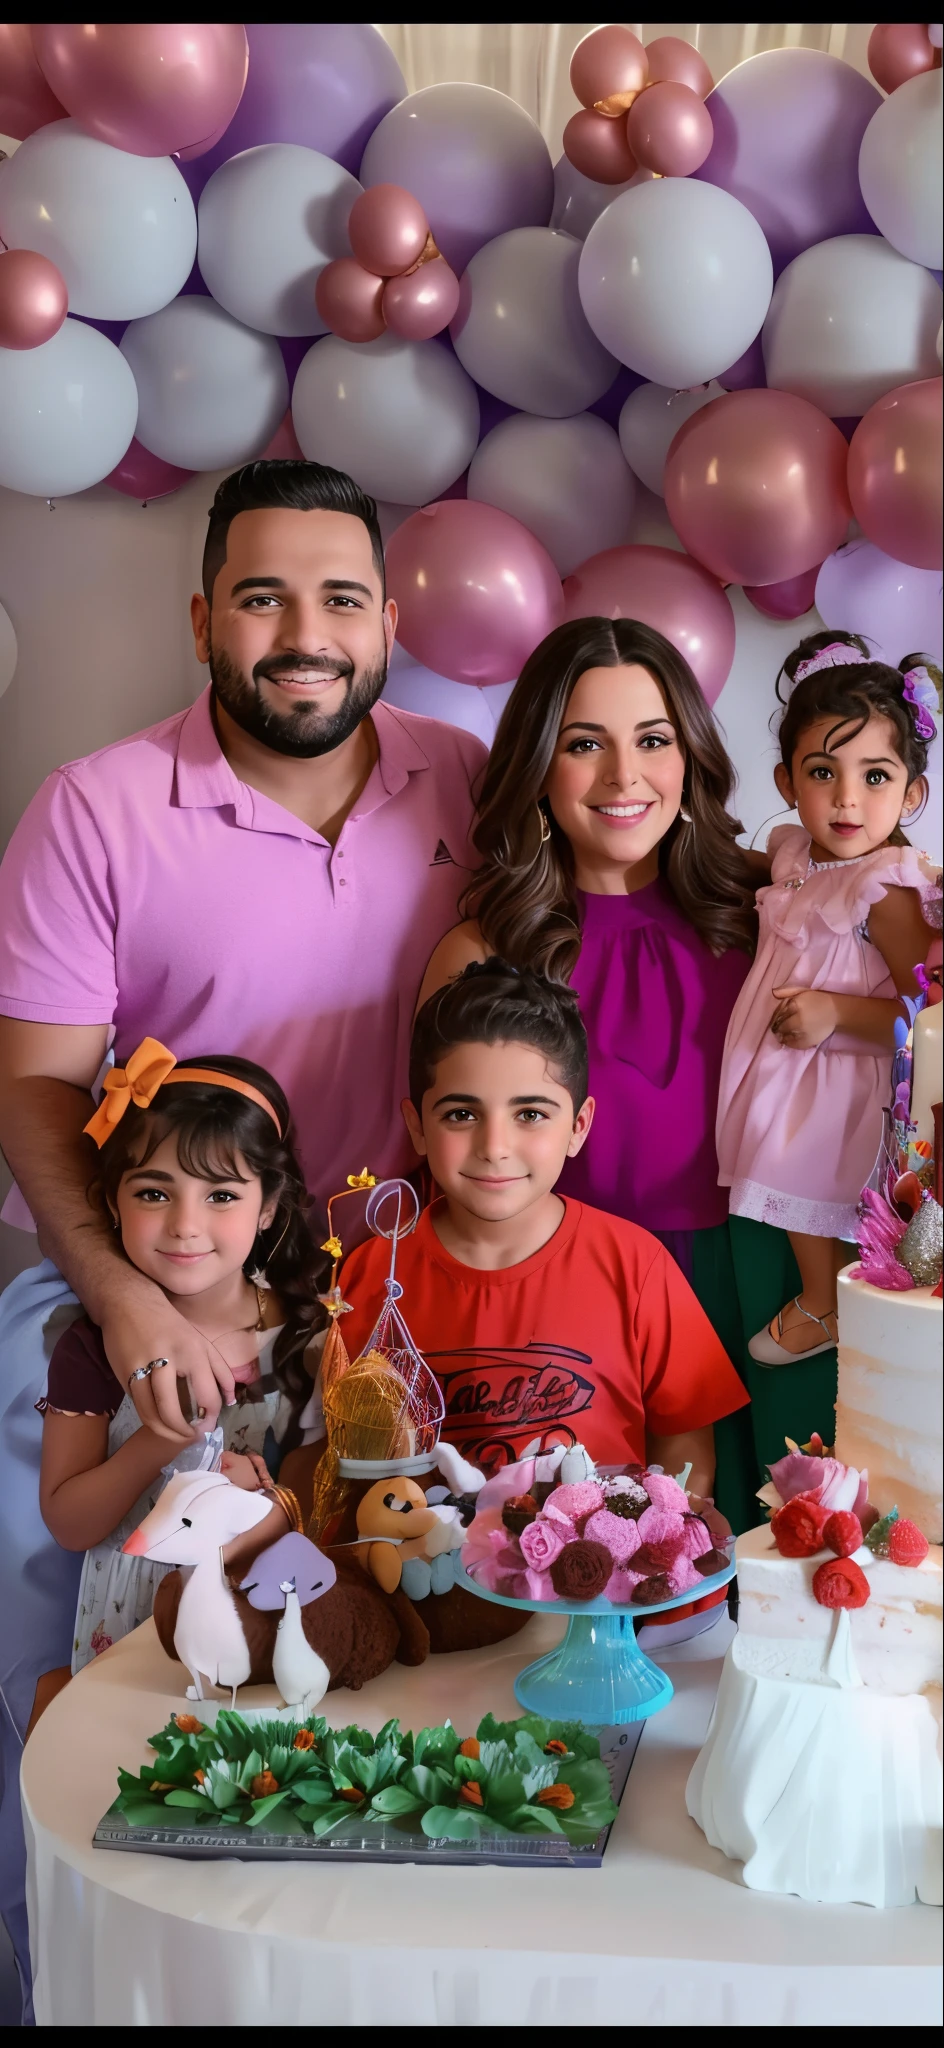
<point x="598" y="1674"/>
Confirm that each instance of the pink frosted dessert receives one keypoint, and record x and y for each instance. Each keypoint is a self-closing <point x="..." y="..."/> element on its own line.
<point x="630" y="1537"/>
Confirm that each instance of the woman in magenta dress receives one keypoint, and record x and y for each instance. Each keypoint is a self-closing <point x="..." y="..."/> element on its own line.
<point x="610" y="860"/>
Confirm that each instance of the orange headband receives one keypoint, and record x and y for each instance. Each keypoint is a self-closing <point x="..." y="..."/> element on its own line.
<point x="147" y="1070"/>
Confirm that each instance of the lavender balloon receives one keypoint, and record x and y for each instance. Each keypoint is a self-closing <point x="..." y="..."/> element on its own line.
<point x="474" y="159"/>
<point x="897" y="609"/>
<point x="788" y="126"/>
<point x="323" y="83"/>
<point x="579" y="201"/>
<point x="418" y="690"/>
<point x="521" y="331"/>
<point x="566" y="480"/>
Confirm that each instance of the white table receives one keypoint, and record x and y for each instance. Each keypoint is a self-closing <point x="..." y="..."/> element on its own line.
<point x="664" y="1934"/>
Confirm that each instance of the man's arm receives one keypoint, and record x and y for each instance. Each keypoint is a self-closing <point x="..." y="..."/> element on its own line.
<point x="46" y="1071"/>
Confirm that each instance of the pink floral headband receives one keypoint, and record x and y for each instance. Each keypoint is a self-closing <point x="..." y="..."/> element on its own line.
<point x="920" y="690"/>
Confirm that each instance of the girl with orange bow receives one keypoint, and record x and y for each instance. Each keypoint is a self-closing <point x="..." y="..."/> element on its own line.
<point x="198" y="1173"/>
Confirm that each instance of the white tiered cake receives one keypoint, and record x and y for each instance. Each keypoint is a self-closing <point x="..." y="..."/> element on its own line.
<point x="821" y="1769"/>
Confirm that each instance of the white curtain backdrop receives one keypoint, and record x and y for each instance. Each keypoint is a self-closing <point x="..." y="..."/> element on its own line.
<point x="531" y="59"/>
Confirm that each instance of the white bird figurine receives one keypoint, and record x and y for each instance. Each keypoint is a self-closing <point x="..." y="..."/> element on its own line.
<point x="300" y="1674"/>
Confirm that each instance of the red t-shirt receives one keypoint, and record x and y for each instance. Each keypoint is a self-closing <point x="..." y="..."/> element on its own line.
<point x="595" y="1338"/>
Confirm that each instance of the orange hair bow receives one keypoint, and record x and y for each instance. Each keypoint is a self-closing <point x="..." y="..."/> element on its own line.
<point x="143" y="1074"/>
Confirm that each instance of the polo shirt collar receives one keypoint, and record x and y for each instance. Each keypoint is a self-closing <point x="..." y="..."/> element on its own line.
<point x="205" y="780"/>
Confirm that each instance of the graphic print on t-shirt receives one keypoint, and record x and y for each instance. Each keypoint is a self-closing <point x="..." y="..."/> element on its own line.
<point x="442" y="856"/>
<point x="499" y="1397"/>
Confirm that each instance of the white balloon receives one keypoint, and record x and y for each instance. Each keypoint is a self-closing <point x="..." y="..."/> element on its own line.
<point x="900" y="169"/>
<point x="67" y="412"/>
<point x="211" y="392"/>
<point x="121" y="228"/>
<point x="649" y="422"/>
<point x="401" y="417"/>
<point x="849" y="320"/>
<point x="269" y="221"/>
<point x="7" y="651"/>
<point x="419" y="690"/>
<point x="521" y="331"/>
<point x="565" y="480"/>
<point x="675" y="278"/>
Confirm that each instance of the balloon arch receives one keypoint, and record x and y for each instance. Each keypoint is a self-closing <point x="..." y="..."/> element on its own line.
<point x="222" y="242"/>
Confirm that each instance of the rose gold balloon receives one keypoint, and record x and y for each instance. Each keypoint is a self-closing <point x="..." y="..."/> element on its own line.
<point x="598" y="148"/>
<point x="899" y="50"/>
<point x="26" y="101"/>
<point x="348" y="297"/>
<point x="387" y="230"/>
<point x="421" y="305"/>
<point x="755" y="486"/>
<point x="609" y="60"/>
<point x="895" y="474"/>
<point x="790" y="600"/>
<point x="670" y="130"/>
<point x="33" y="299"/>
<point x="150" y="87"/>
<point x="670" y="57"/>
<point x="665" y="590"/>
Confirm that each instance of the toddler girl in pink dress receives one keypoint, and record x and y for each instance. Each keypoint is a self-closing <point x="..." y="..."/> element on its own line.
<point x="845" y="920"/>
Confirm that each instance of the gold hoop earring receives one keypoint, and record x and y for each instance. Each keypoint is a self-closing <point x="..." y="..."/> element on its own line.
<point x="685" y="815"/>
<point x="545" y="825"/>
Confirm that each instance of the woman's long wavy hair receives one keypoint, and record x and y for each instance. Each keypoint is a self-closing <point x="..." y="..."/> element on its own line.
<point x="524" y="895"/>
<point x="215" y="1128"/>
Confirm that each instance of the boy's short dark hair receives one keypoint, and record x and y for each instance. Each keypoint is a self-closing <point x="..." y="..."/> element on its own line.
<point x="294" y="486"/>
<point x="491" y="1003"/>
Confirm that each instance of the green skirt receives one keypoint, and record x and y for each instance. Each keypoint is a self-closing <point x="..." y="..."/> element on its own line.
<point x="743" y="1272"/>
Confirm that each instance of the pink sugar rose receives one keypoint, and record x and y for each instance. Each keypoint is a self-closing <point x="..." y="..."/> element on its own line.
<point x="835" y="1486"/>
<point x="658" y="1525"/>
<point x="696" y="1539"/>
<point x="543" y="1540"/>
<point x="619" y="1535"/>
<point x="532" y="1585"/>
<point x="665" y="1492"/>
<point x="578" y="1500"/>
<point x="551" y="1513"/>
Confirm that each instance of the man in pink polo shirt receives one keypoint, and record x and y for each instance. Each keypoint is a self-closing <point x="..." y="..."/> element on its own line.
<point x="265" y="874"/>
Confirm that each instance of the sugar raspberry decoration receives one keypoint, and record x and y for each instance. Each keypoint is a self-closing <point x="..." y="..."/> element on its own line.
<point x="906" y="1543"/>
<point x="840" y="1582"/>
<point x="842" y="1532"/>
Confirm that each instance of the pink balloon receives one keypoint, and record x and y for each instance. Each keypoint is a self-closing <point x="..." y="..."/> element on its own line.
<point x="150" y="87"/>
<point x="421" y="305"/>
<point x="670" y="130"/>
<point x="665" y="590"/>
<point x="476" y="592"/>
<point x="755" y="486"/>
<point x="387" y="230"/>
<point x="598" y="148"/>
<point x="790" y="600"/>
<point x="26" y="102"/>
<point x="895" y="474"/>
<point x="284" y="446"/>
<point x="671" y="58"/>
<point x="33" y="299"/>
<point x="899" y="50"/>
<point x="348" y="298"/>
<point x="609" y="60"/>
<point x="142" y="475"/>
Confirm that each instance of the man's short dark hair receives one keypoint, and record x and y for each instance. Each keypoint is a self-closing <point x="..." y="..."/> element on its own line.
<point x="279" y="486"/>
<point x="491" y="1003"/>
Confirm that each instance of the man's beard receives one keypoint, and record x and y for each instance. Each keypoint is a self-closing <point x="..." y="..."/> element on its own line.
<point x="305" y="731"/>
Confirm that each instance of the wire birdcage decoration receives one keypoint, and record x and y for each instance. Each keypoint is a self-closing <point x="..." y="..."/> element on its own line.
<point x="385" y="1406"/>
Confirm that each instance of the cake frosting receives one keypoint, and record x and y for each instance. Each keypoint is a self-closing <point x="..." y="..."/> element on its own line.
<point x="783" y="1631"/>
<point x="889" y="1411"/>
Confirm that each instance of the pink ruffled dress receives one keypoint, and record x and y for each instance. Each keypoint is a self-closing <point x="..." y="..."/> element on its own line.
<point x="798" y="1132"/>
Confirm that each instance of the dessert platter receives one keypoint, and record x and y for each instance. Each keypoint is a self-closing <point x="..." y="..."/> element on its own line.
<point x="603" y="1548"/>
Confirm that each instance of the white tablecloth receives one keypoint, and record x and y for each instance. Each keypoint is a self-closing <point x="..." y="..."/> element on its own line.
<point x="665" y="1934"/>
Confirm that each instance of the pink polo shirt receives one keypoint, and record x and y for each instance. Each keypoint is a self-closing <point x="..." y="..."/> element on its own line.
<point x="148" y="889"/>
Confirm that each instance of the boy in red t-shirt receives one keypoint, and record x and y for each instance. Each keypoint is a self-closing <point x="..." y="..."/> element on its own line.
<point x="540" y="1316"/>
